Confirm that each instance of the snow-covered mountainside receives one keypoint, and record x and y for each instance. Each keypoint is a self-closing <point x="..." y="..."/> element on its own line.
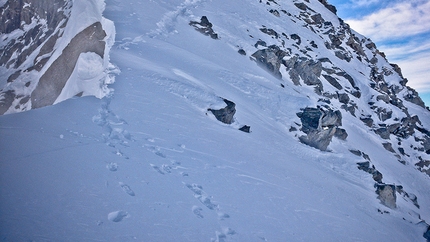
<point x="249" y="121"/>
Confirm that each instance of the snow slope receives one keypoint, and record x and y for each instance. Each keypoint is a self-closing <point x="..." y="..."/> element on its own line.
<point x="150" y="163"/>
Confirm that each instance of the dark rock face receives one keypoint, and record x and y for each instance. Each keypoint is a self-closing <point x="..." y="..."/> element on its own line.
<point x="426" y="235"/>
<point x="320" y="126"/>
<point x="204" y="27"/>
<point x="328" y="6"/>
<point x="366" y="167"/>
<point x="270" y="59"/>
<point x="88" y="40"/>
<point x="226" y="114"/>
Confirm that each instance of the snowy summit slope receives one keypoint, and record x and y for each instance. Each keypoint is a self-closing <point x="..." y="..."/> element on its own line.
<point x="151" y="161"/>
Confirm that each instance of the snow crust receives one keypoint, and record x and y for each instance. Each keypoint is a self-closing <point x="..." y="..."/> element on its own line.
<point x="150" y="163"/>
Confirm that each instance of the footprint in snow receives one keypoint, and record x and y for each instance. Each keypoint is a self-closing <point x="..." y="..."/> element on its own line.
<point x="156" y="168"/>
<point x="222" y="216"/>
<point x="127" y="189"/>
<point x="117" y="216"/>
<point x="112" y="166"/>
<point x="163" y="170"/>
<point x="202" y="196"/>
<point x="222" y="236"/>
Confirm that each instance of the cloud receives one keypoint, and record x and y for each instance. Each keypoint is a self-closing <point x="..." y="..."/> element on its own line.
<point x="397" y="21"/>
<point x="361" y="3"/>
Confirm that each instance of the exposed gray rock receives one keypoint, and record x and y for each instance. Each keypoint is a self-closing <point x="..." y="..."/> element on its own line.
<point x="226" y="114"/>
<point x="388" y="146"/>
<point x="319" y="139"/>
<point x="341" y="134"/>
<point x="413" y="97"/>
<point x="328" y="6"/>
<point x="365" y="166"/>
<point x="320" y="126"/>
<point x="308" y="70"/>
<point x="387" y="194"/>
<point x="356" y="152"/>
<point x="343" y="98"/>
<point x="270" y="59"/>
<point x="317" y="18"/>
<point x="367" y="120"/>
<point x="245" y="128"/>
<point x="241" y="51"/>
<point x="426" y="235"/>
<point x="383" y="132"/>
<point x="301" y="6"/>
<point x="6" y="100"/>
<point x="204" y="27"/>
<point x="55" y="78"/>
<point x="333" y="82"/>
<point x="269" y="32"/>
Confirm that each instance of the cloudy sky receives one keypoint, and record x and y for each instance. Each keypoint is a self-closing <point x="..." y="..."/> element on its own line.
<point x="401" y="29"/>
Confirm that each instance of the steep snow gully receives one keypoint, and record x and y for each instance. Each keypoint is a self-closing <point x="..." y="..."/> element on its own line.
<point x="335" y="145"/>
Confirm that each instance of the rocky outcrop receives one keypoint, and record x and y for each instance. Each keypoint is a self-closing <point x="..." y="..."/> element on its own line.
<point x="204" y="27"/>
<point x="226" y="114"/>
<point x="320" y="126"/>
<point x="387" y="194"/>
<point x="88" y="40"/>
<point x="270" y="59"/>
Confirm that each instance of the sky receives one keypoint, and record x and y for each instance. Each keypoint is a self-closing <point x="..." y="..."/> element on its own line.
<point x="400" y="29"/>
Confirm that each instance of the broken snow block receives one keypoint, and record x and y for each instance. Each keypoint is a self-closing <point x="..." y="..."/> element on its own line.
<point x="226" y="114"/>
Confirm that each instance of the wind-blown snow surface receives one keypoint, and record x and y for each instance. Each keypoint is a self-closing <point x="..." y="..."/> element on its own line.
<point x="149" y="163"/>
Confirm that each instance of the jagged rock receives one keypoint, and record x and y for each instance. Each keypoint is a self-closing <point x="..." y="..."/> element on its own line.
<point x="226" y="114"/>
<point x="341" y="134"/>
<point x="204" y="27"/>
<point x="413" y="97"/>
<point x="383" y="132"/>
<point x="14" y="14"/>
<point x="241" y="51"/>
<point x="328" y="6"/>
<point x="426" y="235"/>
<point x="356" y="152"/>
<point x="245" y="128"/>
<point x="310" y="118"/>
<point x="365" y="166"/>
<point x="343" y="98"/>
<point x="308" y="70"/>
<point x="275" y="12"/>
<point x="389" y="147"/>
<point x="318" y="139"/>
<point x="260" y="42"/>
<point x="6" y="100"/>
<point x="355" y="45"/>
<point x="317" y="18"/>
<point x="301" y="6"/>
<point x="297" y="38"/>
<point x="384" y="114"/>
<point x="269" y="32"/>
<point x="333" y="82"/>
<point x="320" y="126"/>
<point x="270" y="59"/>
<point x="367" y="120"/>
<point x="342" y="55"/>
<point x="387" y="194"/>
<point x="412" y="197"/>
<point x="54" y="79"/>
